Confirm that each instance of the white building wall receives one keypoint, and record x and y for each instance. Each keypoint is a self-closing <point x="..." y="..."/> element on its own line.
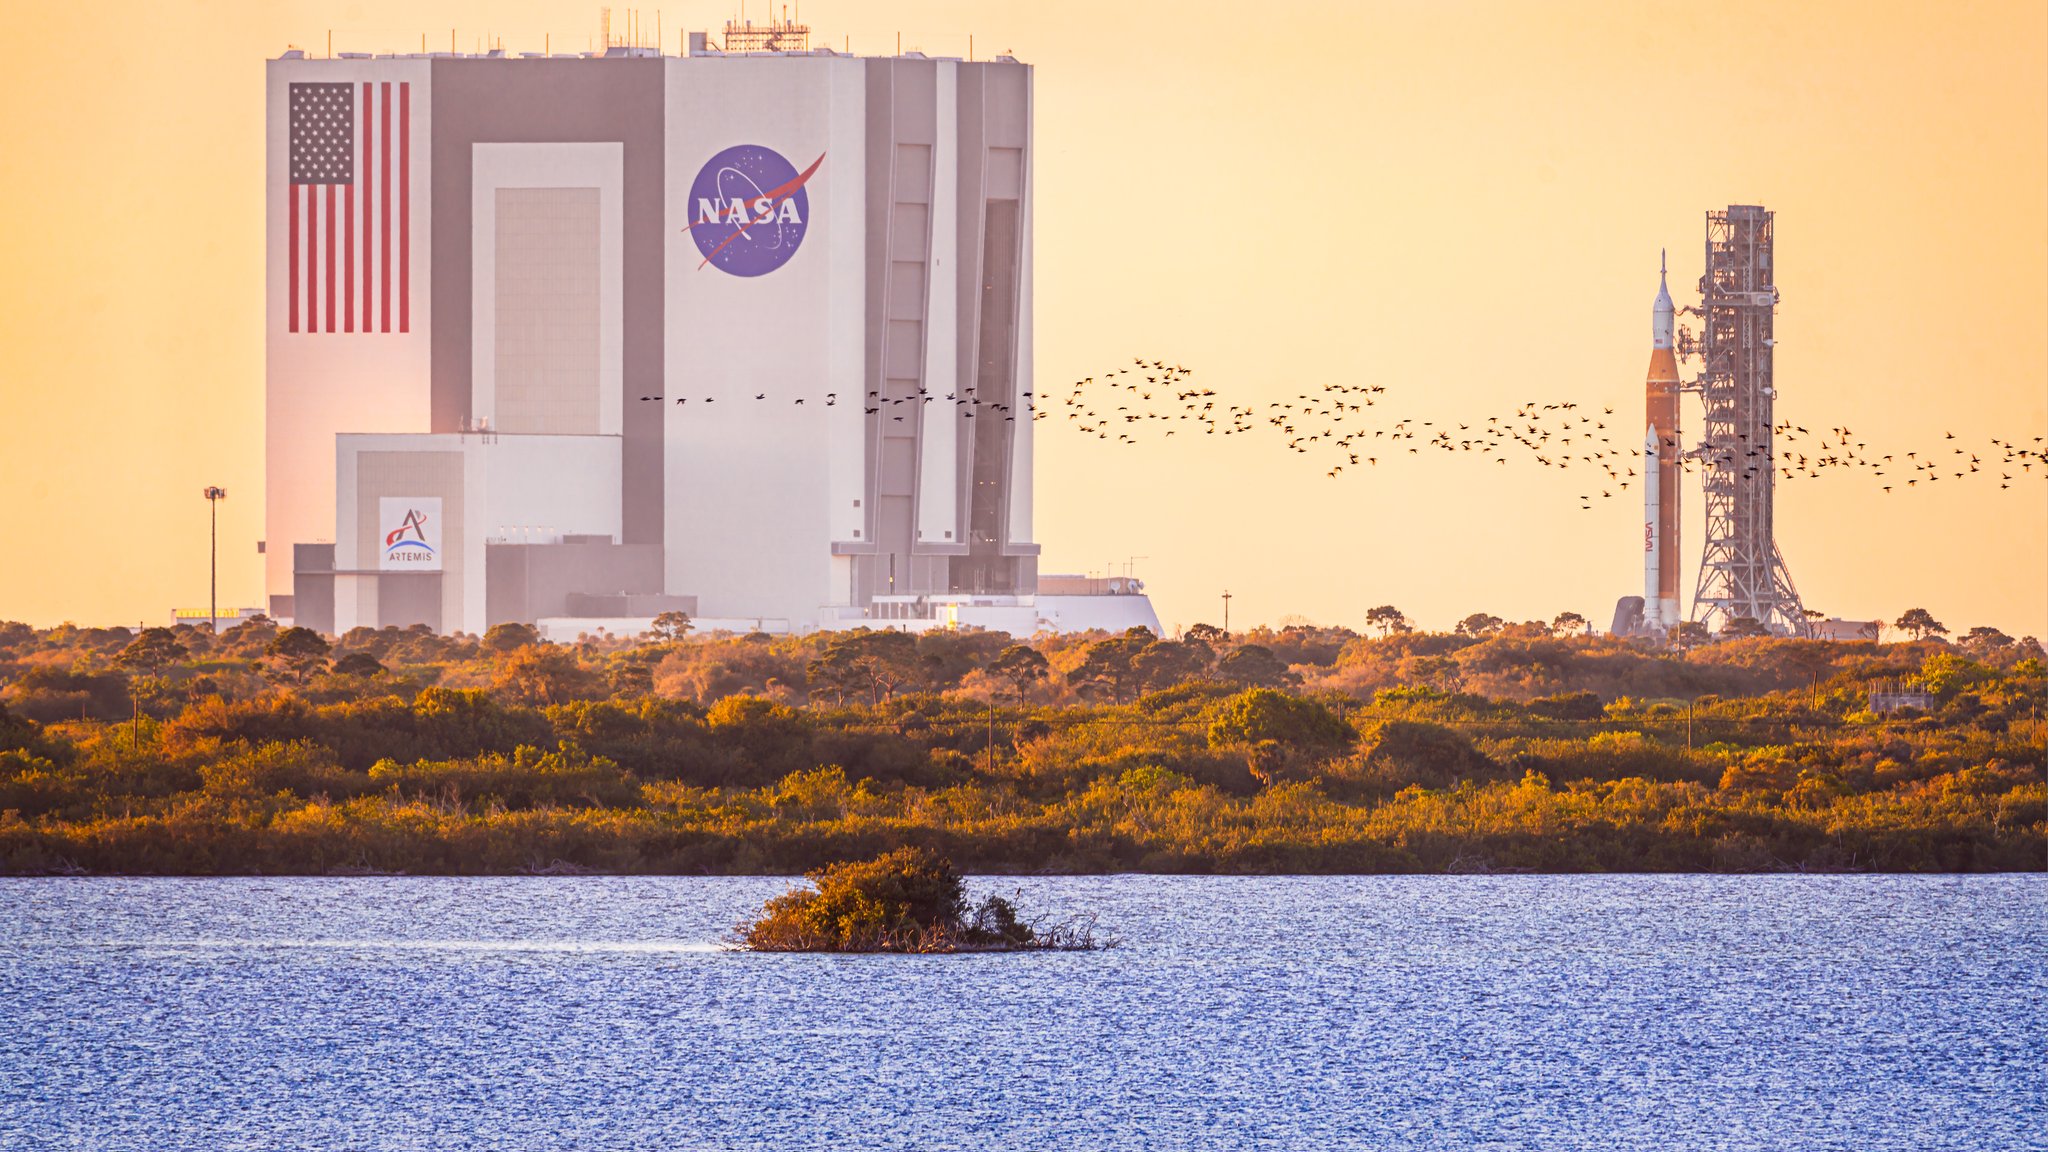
<point x="1020" y="452"/>
<point x="533" y="489"/>
<point x="845" y="326"/>
<point x="938" y="488"/>
<point x="598" y="166"/>
<point x="322" y="383"/>
<point x="756" y="490"/>
<point x="1104" y="613"/>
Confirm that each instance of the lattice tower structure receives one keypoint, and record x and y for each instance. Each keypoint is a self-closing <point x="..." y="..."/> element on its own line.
<point x="1742" y="574"/>
<point x="775" y="36"/>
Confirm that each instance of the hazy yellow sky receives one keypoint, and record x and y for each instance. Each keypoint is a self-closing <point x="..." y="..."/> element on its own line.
<point x="1462" y="202"/>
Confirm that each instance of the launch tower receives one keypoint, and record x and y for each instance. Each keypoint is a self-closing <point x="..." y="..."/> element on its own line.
<point x="1741" y="572"/>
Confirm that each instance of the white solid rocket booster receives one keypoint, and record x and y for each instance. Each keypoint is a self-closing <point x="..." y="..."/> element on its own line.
<point x="1652" y="537"/>
<point x="1661" y="468"/>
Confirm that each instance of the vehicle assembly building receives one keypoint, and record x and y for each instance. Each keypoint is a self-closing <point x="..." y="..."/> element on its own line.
<point x="576" y="340"/>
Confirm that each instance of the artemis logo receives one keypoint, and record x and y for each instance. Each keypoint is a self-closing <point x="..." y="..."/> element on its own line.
<point x="412" y="533"/>
<point x="748" y="209"/>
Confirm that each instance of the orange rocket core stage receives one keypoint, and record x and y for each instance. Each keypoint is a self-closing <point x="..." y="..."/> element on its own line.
<point x="1660" y="467"/>
<point x="1660" y="410"/>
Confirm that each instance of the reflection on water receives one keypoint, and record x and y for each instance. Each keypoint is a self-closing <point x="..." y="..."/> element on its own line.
<point x="1369" y="1012"/>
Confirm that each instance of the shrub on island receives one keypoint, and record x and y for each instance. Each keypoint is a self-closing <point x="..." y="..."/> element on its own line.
<point x="908" y="900"/>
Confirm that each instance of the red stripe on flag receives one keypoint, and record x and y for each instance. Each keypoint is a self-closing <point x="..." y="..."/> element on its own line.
<point x="292" y="255"/>
<point x="384" y="205"/>
<point x="363" y="178"/>
<point x="348" y="257"/>
<point x="312" y="257"/>
<point x="404" y="207"/>
<point x="329" y="236"/>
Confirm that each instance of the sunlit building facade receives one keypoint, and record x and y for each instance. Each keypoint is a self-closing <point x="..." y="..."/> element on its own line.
<point x="577" y="340"/>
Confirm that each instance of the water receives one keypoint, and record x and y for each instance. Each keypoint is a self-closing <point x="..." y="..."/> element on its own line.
<point x="1650" y="1012"/>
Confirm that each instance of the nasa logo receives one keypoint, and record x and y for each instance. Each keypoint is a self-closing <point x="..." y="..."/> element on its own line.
<point x="748" y="209"/>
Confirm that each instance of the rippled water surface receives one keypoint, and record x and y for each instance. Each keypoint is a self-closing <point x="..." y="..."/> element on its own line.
<point x="1414" y="1012"/>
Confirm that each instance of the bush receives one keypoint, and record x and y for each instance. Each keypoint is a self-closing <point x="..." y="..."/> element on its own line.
<point x="1569" y="706"/>
<point x="1394" y="754"/>
<point x="1278" y="731"/>
<point x="528" y="778"/>
<point x="908" y="900"/>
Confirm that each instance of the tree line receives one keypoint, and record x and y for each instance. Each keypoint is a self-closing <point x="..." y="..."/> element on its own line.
<point x="1494" y="746"/>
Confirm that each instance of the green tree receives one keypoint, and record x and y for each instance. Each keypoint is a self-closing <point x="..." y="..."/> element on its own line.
<point x="883" y="662"/>
<point x="358" y="664"/>
<point x="1207" y="633"/>
<point x="1743" y="627"/>
<point x="509" y="636"/>
<point x="1568" y="624"/>
<point x="1274" y="729"/>
<point x="1688" y="634"/>
<point x="1388" y="619"/>
<point x="152" y="652"/>
<point x="1168" y="663"/>
<point x="544" y="674"/>
<point x="671" y="626"/>
<point x="1022" y="665"/>
<point x="296" y="655"/>
<point x="1111" y="665"/>
<point x="1986" y="641"/>
<point x="946" y="655"/>
<point x="832" y="674"/>
<point x="1255" y="666"/>
<point x="1479" y="624"/>
<point x="1921" y="623"/>
<point x="630" y="678"/>
<point x="1439" y="672"/>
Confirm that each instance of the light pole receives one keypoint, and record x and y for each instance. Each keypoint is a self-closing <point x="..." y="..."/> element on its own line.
<point x="213" y="498"/>
<point x="1226" y="612"/>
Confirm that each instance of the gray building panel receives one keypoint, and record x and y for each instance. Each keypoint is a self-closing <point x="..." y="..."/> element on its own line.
<point x="547" y="293"/>
<point x="524" y="582"/>
<point x="994" y="116"/>
<point x="313" y="578"/>
<point x="557" y="101"/>
<point x="408" y="598"/>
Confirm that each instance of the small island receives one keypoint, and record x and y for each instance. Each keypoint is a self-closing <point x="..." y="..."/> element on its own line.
<point x="908" y="900"/>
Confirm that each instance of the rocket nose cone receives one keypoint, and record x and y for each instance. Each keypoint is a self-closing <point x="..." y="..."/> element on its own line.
<point x="1663" y="316"/>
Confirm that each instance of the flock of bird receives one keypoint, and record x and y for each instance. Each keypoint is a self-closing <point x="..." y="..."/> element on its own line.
<point x="1341" y="427"/>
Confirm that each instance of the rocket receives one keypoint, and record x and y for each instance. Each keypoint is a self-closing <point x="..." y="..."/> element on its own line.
<point x="1660" y="468"/>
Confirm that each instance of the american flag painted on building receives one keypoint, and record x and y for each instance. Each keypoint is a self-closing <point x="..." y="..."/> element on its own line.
<point x="350" y="217"/>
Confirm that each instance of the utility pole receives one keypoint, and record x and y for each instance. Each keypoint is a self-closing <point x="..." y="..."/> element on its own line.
<point x="1226" y="612"/>
<point x="213" y="496"/>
